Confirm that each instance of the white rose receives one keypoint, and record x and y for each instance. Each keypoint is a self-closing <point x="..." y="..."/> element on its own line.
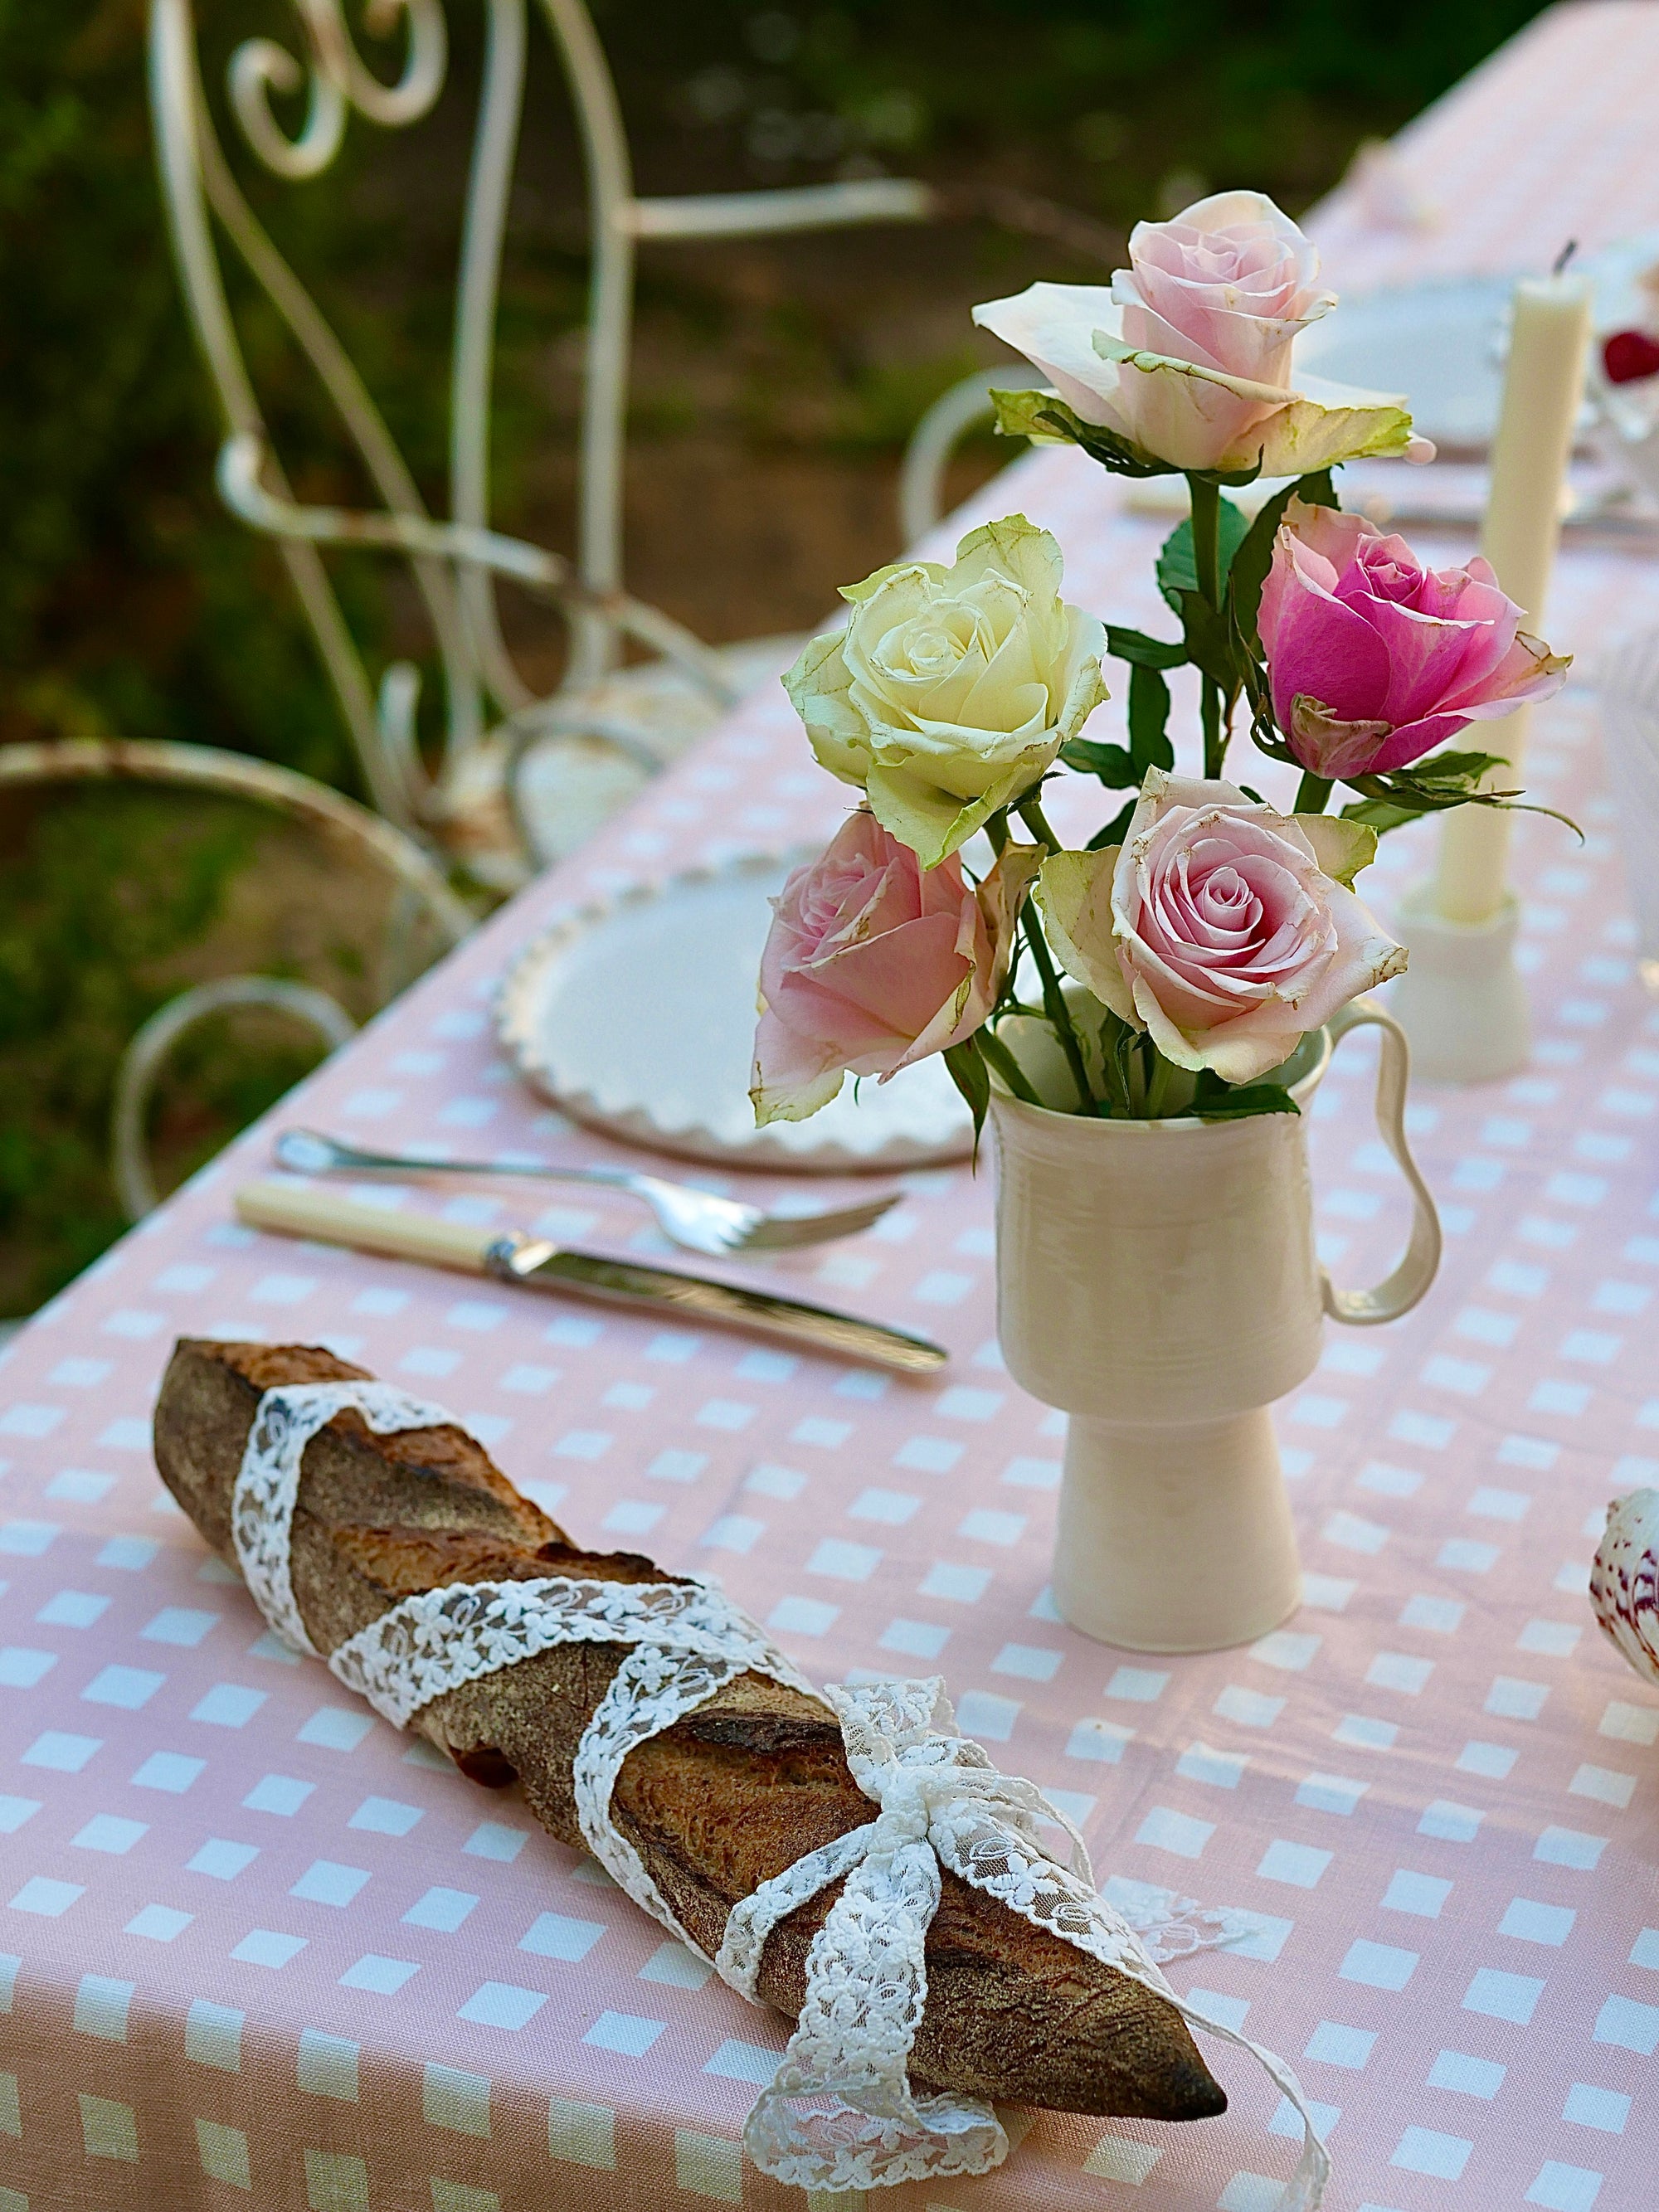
<point x="951" y="691"/>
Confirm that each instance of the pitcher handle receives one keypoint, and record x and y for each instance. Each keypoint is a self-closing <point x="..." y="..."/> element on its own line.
<point x="1398" y="1292"/>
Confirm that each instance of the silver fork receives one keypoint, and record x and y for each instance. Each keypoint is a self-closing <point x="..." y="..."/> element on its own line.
<point x="694" y="1219"/>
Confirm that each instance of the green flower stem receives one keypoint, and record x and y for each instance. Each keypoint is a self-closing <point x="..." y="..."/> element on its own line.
<point x="1206" y="563"/>
<point x="1059" y="1013"/>
<point x="1215" y="739"/>
<point x="1313" y="793"/>
<point x="1013" y="1075"/>
<point x="1031" y="814"/>
<point x="1118" y="1100"/>
<point x="1053" y="998"/>
<point x="1207" y="537"/>
<point x="1158" y="1087"/>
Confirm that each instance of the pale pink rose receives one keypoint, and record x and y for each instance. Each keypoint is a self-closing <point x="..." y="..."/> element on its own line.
<point x="1374" y="659"/>
<point x="1228" y="283"/>
<point x="1214" y="926"/>
<point x="1187" y="353"/>
<point x="874" y="962"/>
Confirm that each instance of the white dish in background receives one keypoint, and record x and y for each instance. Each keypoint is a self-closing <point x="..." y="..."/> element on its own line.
<point x="1438" y="343"/>
<point x="637" y="1015"/>
<point x="1442" y="342"/>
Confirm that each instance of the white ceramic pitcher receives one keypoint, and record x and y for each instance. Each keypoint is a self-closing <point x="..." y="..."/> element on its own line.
<point x="1158" y="1280"/>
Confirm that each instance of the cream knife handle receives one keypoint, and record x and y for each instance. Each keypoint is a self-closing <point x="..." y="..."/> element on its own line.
<point x="302" y="1210"/>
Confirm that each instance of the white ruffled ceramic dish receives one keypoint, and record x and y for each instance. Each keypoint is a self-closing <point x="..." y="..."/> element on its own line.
<point x="637" y="1016"/>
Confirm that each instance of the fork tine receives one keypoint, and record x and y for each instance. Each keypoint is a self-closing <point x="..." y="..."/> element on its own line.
<point x="773" y="1236"/>
<point x="855" y="1217"/>
<point x="785" y="1232"/>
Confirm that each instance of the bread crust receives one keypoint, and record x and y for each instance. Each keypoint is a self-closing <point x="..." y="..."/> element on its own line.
<point x="720" y="1803"/>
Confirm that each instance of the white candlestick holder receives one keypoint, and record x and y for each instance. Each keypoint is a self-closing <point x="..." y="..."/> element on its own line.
<point x="1462" y="1000"/>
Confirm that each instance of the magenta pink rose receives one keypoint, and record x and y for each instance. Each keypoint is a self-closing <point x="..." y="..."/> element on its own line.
<point x="1374" y="659"/>
<point x="874" y="962"/>
<point x="1216" y="927"/>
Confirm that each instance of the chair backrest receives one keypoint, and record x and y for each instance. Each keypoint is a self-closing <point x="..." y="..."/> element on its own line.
<point x="199" y="186"/>
<point x="455" y="559"/>
<point x="424" y="919"/>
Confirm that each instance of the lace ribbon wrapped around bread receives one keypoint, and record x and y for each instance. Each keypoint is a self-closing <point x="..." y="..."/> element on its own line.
<point x="851" y="1861"/>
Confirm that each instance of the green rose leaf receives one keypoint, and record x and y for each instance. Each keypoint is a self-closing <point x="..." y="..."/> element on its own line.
<point x="1115" y="830"/>
<point x="1316" y="489"/>
<point x="972" y="1078"/>
<point x="1111" y="763"/>
<point x="1215" y="1101"/>
<point x="1177" y="567"/>
<point x="1431" y="786"/>
<point x="1141" y="651"/>
<point x="1391" y="801"/>
<point x="1045" y="418"/>
<point x="1458" y="771"/>
<point x="1211" y="642"/>
<point x="1381" y="814"/>
<point x="1149" y="716"/>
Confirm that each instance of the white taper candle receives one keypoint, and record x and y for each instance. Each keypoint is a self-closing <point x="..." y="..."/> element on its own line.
<point x="1543" y="386"/>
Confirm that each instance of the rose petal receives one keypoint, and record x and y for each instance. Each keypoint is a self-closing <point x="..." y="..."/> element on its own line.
<point x="792" y="1076"/>
<point x="1074" y="895"/>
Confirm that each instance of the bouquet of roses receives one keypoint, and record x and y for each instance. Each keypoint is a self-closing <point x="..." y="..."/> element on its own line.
<point x="1201" y="934"/>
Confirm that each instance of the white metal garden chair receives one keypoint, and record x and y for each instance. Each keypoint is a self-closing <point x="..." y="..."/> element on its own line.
<point x="491" y="794"/>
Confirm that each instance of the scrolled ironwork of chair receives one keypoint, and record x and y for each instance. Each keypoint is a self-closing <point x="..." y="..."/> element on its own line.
<point x="423" y="908"/>
<point x="488" y="802"/>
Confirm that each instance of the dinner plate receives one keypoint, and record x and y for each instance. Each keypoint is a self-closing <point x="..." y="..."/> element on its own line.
<point x="636" y="1014"/>
<point x="1440" y="344"/>
<point x="1443" y="343"/>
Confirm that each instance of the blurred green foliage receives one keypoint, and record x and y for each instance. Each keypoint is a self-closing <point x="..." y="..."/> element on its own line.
<point x="105" y="890"/>
<point x="1115" y="96"/>
<point x="128" y="600"/>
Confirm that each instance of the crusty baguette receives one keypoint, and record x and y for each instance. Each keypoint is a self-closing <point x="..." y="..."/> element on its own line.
<point x="716" y="1805"/>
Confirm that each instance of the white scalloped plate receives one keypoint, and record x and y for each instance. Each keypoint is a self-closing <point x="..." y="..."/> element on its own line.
<point x="637" y="1015"/>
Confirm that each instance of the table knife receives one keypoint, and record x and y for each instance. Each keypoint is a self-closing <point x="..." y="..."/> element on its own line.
<point x="512" y="1256"/>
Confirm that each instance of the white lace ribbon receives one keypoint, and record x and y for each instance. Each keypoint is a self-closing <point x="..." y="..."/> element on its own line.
<point x="268" y="1481"/>
<point x="689" y="1638"/>
<point x="840" y="2113"/>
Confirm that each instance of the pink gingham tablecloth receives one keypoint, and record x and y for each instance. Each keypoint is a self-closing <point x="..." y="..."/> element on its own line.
<point x="255" y="1948"/>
